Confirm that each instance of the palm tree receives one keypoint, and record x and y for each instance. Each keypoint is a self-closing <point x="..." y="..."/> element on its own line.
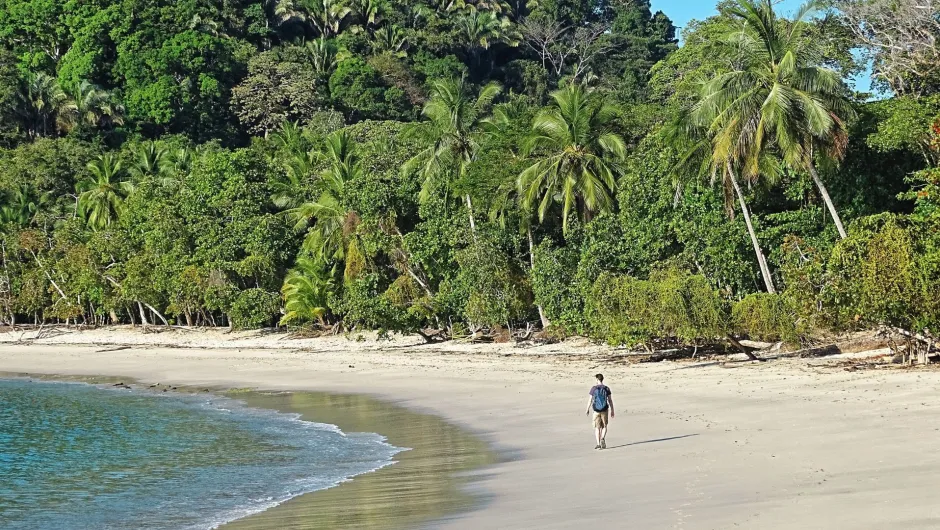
<point x="391" y="39"/>
<point x="299" y="163"/>
<point x="306" y="290"/>
<point x="322" y="55"/>
<point x="577" y="156"/>
<point x="452" y="132"/>
<point x="101" y="196"/>
<point x="325" y="16"/>
<point x="92" y="106"/>
<point x="299" y="167"/>
<point x="40" y="99"/>
<point x="779" y="98"/>
<point x="368" y="14"/>
<point x="149" y="161"/>
<point x="20" y="207"/>
<point x="697" y="145"/>
<point x="333" y="234"/>
<point x="158" y="164"/>
<point x="481" y="29"/>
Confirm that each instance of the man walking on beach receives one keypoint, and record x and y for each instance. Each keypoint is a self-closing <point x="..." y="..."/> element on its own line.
<point x="601" y="403"/>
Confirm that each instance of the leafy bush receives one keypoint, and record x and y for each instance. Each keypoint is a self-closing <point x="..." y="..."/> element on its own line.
<point x="767" y="317"/>
<point x="671" y="304"/>
<point x="358" y="89"/>
<point x="554" y="287"/>
<point x="253" y="308"/>
<point x="492" y="290"/>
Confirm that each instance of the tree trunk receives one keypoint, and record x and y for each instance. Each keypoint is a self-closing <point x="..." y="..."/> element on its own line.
<point x="764" y="269"/>
<point x="542" y="317"/>
<point x="827" y="199"/>
<point x="473" y="225"/>
<point x="157" y="313"/>
<point x="143" y="315"/>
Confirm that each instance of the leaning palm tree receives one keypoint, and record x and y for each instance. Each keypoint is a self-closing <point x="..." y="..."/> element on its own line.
<point x="327" y="17"/>
<point x="700" y="153"/>
<point x="577" y="156"/>
<point x="92" y="106"/>
<point x="780" y="98"/>
<point x="452" y="132"/>
<point x="101" y="196"/>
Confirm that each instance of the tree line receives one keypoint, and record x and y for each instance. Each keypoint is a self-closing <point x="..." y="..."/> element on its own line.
<point x="469" y="168"/>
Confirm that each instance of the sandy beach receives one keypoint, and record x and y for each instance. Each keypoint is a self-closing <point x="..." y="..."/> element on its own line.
<point x="791" y="443"/>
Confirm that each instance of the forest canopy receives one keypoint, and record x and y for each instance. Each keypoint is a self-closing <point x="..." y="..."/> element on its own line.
<point x="465" y="168"/>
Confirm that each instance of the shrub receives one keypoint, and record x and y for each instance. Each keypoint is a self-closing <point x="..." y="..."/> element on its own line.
<point x="253" y="308"/>
<point x="767" y="317"/>
<point x="671" y="304"/>
<point x="494" y="292"/>
<point x="555" y="287"/>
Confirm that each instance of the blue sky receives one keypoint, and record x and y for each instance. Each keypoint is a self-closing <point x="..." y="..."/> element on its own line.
<point x="682" y="11"/>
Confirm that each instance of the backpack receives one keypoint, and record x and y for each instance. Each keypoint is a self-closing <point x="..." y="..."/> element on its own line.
<point x="600" y="399"/>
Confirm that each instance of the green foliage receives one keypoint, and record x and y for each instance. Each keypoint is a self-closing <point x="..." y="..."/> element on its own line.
<point x="554" y="287"/>
<point x="671" y="304"/>
<point x="492" y="291"/>
<point x="766" y="317"/>
<point x="358" y="89"/>
<point x="253" y="308"/>
<point x="192" y="161"/>
<point x="278" y="88"/>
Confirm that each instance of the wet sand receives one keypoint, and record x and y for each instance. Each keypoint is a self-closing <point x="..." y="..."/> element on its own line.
<point x="429" y="482"/>
<point x="787" y="444"/>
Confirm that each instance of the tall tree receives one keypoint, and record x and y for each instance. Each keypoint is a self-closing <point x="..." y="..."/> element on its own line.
<point x="697" y="144"/>
<point x="781" y="98"/>
<point x="902" y="38"/>
<point x="454" y="123"/>
<point x="577" y="156"/>
<point x="101" y="196"/>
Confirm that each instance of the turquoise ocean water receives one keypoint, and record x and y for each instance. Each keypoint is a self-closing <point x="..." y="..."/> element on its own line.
<point x="78" y="456"/>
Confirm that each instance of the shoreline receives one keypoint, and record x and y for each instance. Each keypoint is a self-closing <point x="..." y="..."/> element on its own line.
<point x="446" y="465"/>
<point x="794" y="443"/>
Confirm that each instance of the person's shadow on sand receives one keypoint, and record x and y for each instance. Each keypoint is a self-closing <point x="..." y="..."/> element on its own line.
<point x="654" y="441"/>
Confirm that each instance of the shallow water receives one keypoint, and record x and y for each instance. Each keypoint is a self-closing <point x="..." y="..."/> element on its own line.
<point x="81" y="456"/>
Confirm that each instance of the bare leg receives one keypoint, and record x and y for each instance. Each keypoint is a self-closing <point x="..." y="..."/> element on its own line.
<point x="597" y="434"/>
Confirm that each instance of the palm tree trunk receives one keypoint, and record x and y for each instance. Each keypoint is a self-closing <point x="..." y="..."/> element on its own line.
<point x="764" y="269"/>
<point x="542" y="317"/>
<point x="473" y="225"/>
<point x="827" y="199"/>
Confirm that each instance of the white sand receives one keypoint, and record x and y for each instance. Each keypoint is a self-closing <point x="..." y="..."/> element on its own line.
<point x="785" y="444"/>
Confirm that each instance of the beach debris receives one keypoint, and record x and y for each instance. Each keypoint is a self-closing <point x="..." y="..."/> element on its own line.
<point x="118" y="348"/>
